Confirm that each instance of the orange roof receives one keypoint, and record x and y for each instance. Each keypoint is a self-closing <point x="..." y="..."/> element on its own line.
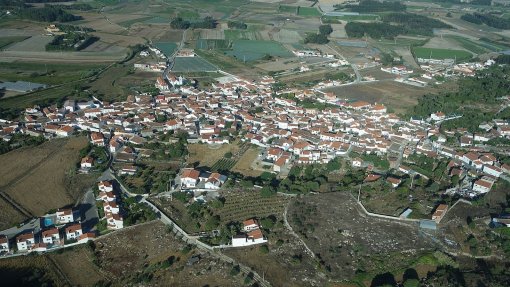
<point x="250" y="222"/>
<point x="190" y="173"/>
<point x="256" y="234"/>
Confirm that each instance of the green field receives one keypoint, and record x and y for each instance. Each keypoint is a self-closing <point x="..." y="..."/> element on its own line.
<point x="247" y="50"/>
<point x="440" y="54"/>
<point x="189" y="15"/>
<point x="249" y="34"/>
<point x="6" y="41"/>
<point x="308" y="11"/>
<point x="167" y="48"/>
<point x="128" y="23"/>
<point x="44" y="97"/>
<point x="212" y="44"/>
<point x="338" y="19"/>
<point x="192" y="64"/>
<point x="470" y="45"/>
<point x="287" y="9"/>
<point x="51" y="74"/>
<point x="157" y="20"/>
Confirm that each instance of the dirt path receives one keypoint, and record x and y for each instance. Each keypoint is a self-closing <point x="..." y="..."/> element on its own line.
<point x="309" y="251"/>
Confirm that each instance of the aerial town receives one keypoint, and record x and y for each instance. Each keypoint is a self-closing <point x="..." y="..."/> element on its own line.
<point x="255" y="143"/>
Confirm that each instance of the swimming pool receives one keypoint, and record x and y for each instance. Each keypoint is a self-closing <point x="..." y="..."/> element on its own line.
<point x="48" y="221"/>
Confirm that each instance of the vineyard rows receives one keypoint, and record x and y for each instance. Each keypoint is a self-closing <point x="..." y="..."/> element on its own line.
<point x="244" y="205"/>
<point x="223" y="164"/>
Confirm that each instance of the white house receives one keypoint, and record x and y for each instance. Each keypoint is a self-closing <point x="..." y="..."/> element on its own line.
<point x="482" y="186"/>
<point x="250" y="224"/>
<point x="87" y="162"/>
<point x="251" y="238"/>
<point x="50" y="236"/>
<point x="107" y="196"/>
<point x="356" y="162"/>
<point x="215" y="181"/>
<point x="25" y="241"/>
<point x="65" y="215"/>
<point x="111" y="207"/>
<point x="492" y="170"/>
<point x="105" y="186"/>
<point x="189" y="177"/>
<point x="4" y="244"/>
<point x="114" y="221"/>
<point x="73" y="231"/>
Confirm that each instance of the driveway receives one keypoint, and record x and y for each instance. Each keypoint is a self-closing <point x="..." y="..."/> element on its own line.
<point x="34" y="224"/>
<point x="88" y="210"/>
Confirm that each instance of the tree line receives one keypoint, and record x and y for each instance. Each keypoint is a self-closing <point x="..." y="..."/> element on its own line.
<point x="487" y="19"/>
<point x="476" y="99"/>
<point x="370" y="6"/>
<point x="321" y="37"/>
<point x="206" y="23"/>
<point x="394" y="24"/>
<point x="47" y="14"/>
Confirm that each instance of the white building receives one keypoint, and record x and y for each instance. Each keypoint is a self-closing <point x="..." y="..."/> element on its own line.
<point x="25" y="241"/>
<point x="4" y="244"/>
<point x="251" y="238"/>
<point x="73" y="231"/>
<point x="50" y="236"/>
<point x="482" y="186"/>
<point x="65" y="216"/>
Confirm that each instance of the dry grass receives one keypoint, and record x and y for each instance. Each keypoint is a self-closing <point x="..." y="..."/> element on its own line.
<point x="13" y="270"/>
<point x="9" y="216"/>
<point x="78" y="267"/>
<point x="243" y="165"/>
<point x="395" y="95"/>
<point x="125" y="253"/>
<point x="207" y="155"/>
<point x="45" y="184"/>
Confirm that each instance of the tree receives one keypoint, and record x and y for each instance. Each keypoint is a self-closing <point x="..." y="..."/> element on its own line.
<point x="267" y="191"/>
<point x="412" y="283"/>
<point x="334" y="164"/>
<point x="316" y="39"/>
<point x="325" y="29"/>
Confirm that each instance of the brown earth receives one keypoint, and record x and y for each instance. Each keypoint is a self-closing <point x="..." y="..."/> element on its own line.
<point x="49" y="181"/>
<point x="207" y="155"/>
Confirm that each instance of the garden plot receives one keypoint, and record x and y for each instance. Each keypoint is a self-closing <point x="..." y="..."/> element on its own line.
<point x="287" y="36"/>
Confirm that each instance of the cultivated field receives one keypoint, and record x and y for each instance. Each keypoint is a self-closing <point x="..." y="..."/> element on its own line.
<point x="48" y="181"/>
<point x="241" y="205"/>
<point x="207" y="155"/>
<point x="167" y="48"/>
<point x="247" y="50"/>
<point x="422" y="52"/>
<point x="192" y="64"/>
<point x="395" y="95"/>
<point x="30" y="271"/>
<point x="243" y="165"/>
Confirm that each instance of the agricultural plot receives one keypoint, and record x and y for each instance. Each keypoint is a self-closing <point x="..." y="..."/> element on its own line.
<point x="6" y="41"/>
<point x="308" y="11"/>
<point x="205" y="155"/>
<point x="349" y="18"/>
<point x="240" y="205"/>
<point x="224" y="164"/>
<point x="23" y="101"/>
<point x="167" y="48"/>
<point x="192" y="64"/>
<point x="242" y="35"/>
<point x="212" y="44"/>
<point x="287" y="36"/>
<point x="33" y="44"/>
<point x="440" y="54"/>
<point x="246" y="50"/>
<point x="288" y="9"/>
<point x="470" y="45"/>
<point x="128" y="23"/>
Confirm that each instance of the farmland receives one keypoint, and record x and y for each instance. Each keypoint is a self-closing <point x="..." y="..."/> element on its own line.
<point x="60" y="186"/>
<point x="243" y="204"/>
<point x="224" y="164"/>
<point x="308" y="12"/>
<point x="422" y="52"/>
<point x="243" y="165"/>
<point x="208" y="156"/>
<point x="192" y="64"/>
<point x="251" y="50"/>
<point x="167" y="48"/>
<point x="6" y="41"/>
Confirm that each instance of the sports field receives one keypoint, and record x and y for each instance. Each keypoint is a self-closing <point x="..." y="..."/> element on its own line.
<point x="167" y="48"/>
<point x="248" y="50"/>
<point x="192" y="64"/>
<point x="440" y="54"/>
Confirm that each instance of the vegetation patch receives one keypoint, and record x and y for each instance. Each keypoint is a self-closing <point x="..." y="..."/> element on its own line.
<point x="440" y="54"/>
<point x="251" y="50"/>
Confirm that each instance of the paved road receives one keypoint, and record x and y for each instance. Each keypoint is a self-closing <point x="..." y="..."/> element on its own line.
<point x="89" y="213"/>
<point x="34" y="224"/>
<point x="356" y="71"/>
